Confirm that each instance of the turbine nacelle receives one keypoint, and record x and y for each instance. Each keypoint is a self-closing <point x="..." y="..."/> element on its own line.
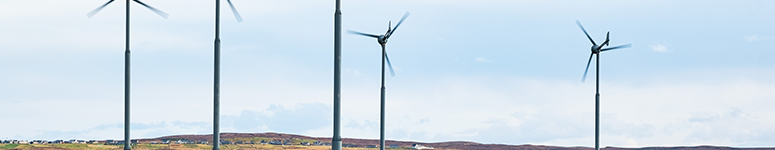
<point x="382" y="39"/>
<point x="596" y="49"/>
<point x="389" y="28"/>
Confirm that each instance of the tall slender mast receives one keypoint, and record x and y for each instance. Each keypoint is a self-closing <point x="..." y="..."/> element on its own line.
<point x="382" y="40"/>
<point x="336" y="141"/>
<point x="597" y="102"/>
<point x="382" y="104"/>
<point x="127" y="141"/>
<point x="216" y="80"/>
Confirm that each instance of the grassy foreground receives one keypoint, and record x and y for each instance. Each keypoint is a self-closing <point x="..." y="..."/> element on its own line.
<point x="164" y="146"/>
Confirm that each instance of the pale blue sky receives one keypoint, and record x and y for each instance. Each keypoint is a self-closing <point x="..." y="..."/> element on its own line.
<point x="489" y="71"/>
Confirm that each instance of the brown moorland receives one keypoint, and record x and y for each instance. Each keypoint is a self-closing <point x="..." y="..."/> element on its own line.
<point x="456" y="145"/>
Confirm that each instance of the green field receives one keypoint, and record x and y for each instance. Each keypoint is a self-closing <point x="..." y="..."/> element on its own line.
<point x="8" y="146"/>
<point x="53" y="146"/>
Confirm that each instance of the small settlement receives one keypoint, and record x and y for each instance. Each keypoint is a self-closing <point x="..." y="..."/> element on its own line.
<point x="284" y="142"/>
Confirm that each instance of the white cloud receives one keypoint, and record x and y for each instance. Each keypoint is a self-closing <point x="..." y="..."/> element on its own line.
<point x="64" y="60"/>
<point x="353" y="72"/>
<point x="482" y="59"/>
<point x="733" y="126"/>
<point x="504" y="110"/>
<point x="659" y="48"/>
<point x="520" y="111"/>
<point x="143" y="130"/>
<point x="307" y="116"/>
<point x="424" y="121"/>
<point x="755" y="38"/>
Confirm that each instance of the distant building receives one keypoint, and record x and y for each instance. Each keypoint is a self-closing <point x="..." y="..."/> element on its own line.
<point x="418" y="146"/>
<point x="185" y="142"/>
<point x="38" y="142"/>
<point x="393" y="146"/>
<point x="226" y="142"/>
<point x="370" y="146"/>
<point x="275" y="142"/>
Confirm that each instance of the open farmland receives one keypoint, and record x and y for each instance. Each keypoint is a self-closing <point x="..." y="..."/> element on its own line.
<point x="164" y="147"/>
<point x="294" y="142"/>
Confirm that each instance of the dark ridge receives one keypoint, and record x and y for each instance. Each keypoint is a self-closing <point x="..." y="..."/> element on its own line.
<point x="462" y="145"/>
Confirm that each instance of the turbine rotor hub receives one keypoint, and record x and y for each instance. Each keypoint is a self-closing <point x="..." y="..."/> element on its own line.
<point x="382" y="39"/>
<point x="596" y="49"/>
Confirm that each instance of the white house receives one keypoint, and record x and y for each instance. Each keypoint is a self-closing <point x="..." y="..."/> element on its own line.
<point x="418" y="146"/>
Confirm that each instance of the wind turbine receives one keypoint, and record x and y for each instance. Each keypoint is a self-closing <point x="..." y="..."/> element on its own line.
<point x="217" y="72"/>
<point x="382" y="40"/>
<point x="126" y="63"/>
<point x="596" y="49"/>
<point x="336" y="141"/>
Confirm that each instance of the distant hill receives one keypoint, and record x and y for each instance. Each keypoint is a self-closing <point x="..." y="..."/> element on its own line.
<point x="463" y="145"/>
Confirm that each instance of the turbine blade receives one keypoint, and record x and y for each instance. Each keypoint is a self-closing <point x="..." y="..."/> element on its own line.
<point x="161" y="13"/>
<point x="93" y="12"/>
<point x="392" y="74"/>
<point x="399" y="23"/>
<point x="585" y="32"/>
<point x="606" y="39"/>
<point x="585" y="70"/>
<point x="234" y="10"/>
<point x="364" y="34"/>
<point x="616" y="47"/>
